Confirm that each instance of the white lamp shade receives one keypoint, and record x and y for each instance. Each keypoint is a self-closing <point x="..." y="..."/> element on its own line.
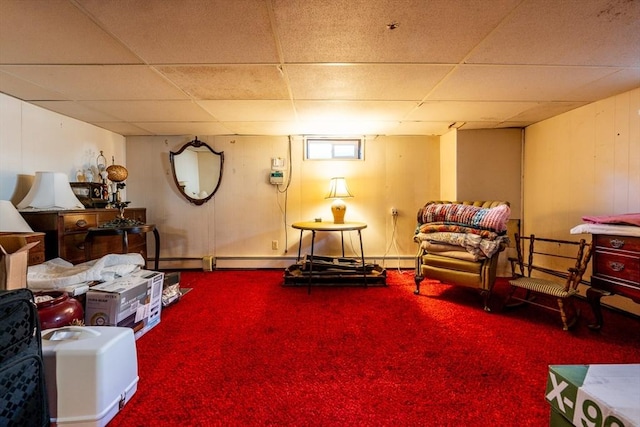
<point x="338" y="189"/>
<point x="50" y="191"/>
<point x="10" y="219"/>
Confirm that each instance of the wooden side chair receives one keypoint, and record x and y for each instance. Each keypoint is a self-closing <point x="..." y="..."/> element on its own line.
<point x="549" y="259"/>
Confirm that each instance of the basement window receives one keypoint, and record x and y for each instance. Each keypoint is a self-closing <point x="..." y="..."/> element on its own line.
<point x="333" y="149"/>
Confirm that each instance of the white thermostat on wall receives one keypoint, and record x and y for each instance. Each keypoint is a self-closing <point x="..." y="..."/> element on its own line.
<point x="277" y="171"/>
<point x="276" y="177"/>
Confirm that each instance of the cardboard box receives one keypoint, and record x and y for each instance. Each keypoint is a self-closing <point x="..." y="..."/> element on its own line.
<point x="120" y="302"/>
<point x="14" y="259"/>
<point x="598" y="395"/>
<point x="153" y="308"/>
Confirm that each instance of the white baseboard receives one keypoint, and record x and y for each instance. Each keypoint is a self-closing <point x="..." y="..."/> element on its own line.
<point x="258" y="262"/>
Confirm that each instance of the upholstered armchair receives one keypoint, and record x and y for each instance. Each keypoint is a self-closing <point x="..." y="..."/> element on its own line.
<point x="459" y="245"/>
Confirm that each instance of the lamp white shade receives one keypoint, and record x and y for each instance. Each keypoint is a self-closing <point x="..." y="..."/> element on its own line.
<point x="10" y="219"/>
<point x="50" y="191"/>
<point x="338" y="189"/>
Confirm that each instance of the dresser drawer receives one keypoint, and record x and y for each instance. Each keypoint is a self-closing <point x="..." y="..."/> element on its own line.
<point x="617" y="265"/>
<point x="107" y="215"/>
<point x="626" y="289"/>
<point x="72" y="248"/>
<point x="36" y="258"/>
<point x="79" y="222"/>
<point x="623" y="243"/>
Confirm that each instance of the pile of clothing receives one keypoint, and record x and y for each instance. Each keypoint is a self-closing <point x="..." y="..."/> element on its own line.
<point x="462" y="231"/>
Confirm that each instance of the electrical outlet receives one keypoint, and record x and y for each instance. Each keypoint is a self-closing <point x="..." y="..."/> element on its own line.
<point x="394" y="212"/>
<point x="274" y="245"/>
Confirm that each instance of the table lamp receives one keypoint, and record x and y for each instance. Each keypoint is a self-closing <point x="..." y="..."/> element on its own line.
<point x="338" y="190"/>
<point x="10" y="219"/>
<point x="50" y="191"/>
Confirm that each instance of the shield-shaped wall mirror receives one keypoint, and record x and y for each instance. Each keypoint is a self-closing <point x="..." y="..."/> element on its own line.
<point x="197" y="171"/>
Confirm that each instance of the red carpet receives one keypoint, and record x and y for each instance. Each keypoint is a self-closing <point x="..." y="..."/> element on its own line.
<point x="242" y="350"/>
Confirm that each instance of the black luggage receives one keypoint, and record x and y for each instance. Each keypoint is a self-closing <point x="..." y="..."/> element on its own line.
<point x="23" y="395"/>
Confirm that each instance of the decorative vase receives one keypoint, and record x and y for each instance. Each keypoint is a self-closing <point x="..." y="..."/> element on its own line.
<point x="59" y="311"/>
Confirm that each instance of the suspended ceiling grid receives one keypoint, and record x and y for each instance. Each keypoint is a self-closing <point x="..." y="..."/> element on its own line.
<point x="283" y="67"/>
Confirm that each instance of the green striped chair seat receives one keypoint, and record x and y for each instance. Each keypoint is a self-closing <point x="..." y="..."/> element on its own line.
<point x="543" y="286"/>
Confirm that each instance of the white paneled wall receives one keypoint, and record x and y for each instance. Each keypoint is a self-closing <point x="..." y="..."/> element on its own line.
<point x="34" y="139"/>
<point x="584" y="162"/>
<point x="247" y="213"/>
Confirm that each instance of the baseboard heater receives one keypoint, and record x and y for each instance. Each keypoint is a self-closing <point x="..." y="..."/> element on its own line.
<point x="257" y="262"/>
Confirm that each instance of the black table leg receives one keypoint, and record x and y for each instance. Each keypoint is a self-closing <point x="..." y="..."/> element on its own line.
<point x="364" y="267"/>
<point x="157" y="252"/>
<point x="313" y="239"/>
<point x="299" y="246"/>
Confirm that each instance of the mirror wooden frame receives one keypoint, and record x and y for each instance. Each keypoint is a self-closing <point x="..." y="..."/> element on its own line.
<point x="195" y="144"/>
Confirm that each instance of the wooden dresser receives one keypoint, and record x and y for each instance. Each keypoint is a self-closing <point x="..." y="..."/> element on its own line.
<point x="616" y="270"/>
<point x="66" y="230"/>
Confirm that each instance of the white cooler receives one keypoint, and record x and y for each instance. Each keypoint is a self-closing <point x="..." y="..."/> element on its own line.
<point x="91" y="373"/>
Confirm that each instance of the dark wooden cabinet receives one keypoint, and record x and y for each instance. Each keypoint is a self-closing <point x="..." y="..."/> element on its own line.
<point x="616" y="270"/>
<point x="65" y="232"/>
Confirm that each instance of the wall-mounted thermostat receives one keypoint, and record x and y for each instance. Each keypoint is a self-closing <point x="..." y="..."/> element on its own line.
<point x="277" y="171"/>
<point x="276" y="177"/>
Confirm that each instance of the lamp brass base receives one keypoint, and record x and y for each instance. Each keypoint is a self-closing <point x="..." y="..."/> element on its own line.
<point x="338" y="209"/>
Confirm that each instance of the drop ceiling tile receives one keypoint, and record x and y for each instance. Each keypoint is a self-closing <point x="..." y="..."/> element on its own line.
<point x="354" y="110"/>
<point x="249" y="110"/>
<point x="151" y="111"/>
<point x="515" y="83"/>
<point x="184" y="128"/>
<point x="55" y="32"/>
<point x="514" y="124"/>
<point x="229" y="82"/>
<point x="356" y="31"/>
<point x="264" y="128"/>
<point x="98" y="82"/>
<point x="544" y="110"/>
<point x="24" y="90"/>
<point x="480" y="125"/>
<point x="617" y="82"/>
<point x="451" y="111"/>
<point x="189" y="31"/>
<point x="123" y="128"/>
<point x="364" y="81"/>
<point x="75" y="110"/>
<point x="345" y="127"/>
<point x="421" y="128"/>
<point x="595" y="32"/>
